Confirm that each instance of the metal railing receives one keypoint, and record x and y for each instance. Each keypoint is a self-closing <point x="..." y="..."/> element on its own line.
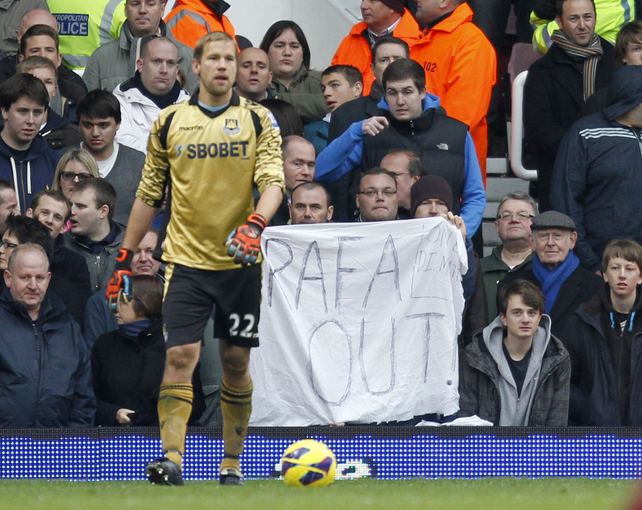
<point x="516" y="133"/>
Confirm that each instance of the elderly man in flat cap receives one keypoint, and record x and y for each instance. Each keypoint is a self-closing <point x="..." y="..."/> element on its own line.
<point x="556" y="269"/>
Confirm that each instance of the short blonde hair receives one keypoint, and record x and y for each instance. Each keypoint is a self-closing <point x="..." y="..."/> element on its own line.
<point x="210" y="38"/>
<point x="36" y="62"/>
<point x="80" y="155"/>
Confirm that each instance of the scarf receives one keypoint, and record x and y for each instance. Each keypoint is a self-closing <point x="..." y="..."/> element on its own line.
<point x="590" y="54"/>
<point x="551" y="280"/>
<point x="133" y="329"/>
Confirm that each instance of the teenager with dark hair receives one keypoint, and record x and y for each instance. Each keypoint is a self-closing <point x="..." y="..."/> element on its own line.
<point x="26" y="161"/>
<point x="514" y="372"/>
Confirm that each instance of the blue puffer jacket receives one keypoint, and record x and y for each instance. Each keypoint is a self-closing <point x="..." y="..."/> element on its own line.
<point x="32" y="175"/>
<point x="45" y="368"/>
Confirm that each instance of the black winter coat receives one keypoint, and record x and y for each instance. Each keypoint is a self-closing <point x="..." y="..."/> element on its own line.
<point x="45" y="378"/>
<point x="70" y="279"/>
<point x="595" y="396"/>
<point x="553" y="98"/>
<point x="127" y="373"/>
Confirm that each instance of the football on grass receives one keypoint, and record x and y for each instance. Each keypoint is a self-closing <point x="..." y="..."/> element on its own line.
<point x="308" y="463"/>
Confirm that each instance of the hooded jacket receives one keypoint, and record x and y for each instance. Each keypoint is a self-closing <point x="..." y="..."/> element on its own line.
<point x="355" y="49"/>
<point x="596" y="399"/>
<point x="189" y="20"/>
<point x="115" y="62"/>
<point x="45" y="372"/>
<point x="487" y="388"/>
<point x="32" y="175"/>
<point x="597" y="179"/>
<point x="440" y="139"/>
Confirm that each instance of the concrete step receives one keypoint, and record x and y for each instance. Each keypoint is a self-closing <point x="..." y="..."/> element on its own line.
<point x="490" y="213"/>
<point x="489" y="233"/>
<point x="496" y="166"/>
<point x="497" y="187"/>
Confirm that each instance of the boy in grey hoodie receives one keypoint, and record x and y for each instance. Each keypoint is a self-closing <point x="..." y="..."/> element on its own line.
<point x="514" y="372"/>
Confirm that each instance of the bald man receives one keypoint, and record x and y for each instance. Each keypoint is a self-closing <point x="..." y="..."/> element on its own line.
<point x="36" y="17"/>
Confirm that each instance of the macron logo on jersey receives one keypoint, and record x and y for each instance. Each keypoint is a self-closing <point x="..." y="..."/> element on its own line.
<point x="213" y="150"/>
<point x="73" y="24"/>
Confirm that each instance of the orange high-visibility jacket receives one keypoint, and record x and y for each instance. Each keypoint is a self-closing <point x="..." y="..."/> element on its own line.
<point x="354" y="50"/>
<point x="460" y="66"/>
<point x="190" y="20"/>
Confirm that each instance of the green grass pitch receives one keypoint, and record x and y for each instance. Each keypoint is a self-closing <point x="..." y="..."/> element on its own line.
<point x="486" y="494"/>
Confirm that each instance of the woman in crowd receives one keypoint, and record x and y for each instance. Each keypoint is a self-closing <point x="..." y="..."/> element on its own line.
<point x="292" y="79"/>
<point x="74" y="166"/>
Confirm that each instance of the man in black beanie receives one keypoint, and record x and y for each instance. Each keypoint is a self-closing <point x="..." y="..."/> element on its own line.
<point x="431" y="197"/>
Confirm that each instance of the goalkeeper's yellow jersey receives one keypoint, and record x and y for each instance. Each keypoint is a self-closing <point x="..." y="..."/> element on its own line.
<point x="211" y="161"/>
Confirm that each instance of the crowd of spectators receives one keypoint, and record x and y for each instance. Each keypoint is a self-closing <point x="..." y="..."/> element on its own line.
<point x="394" y="128"/>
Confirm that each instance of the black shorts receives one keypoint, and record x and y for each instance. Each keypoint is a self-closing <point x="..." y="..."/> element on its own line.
<point x="191" y="294"/>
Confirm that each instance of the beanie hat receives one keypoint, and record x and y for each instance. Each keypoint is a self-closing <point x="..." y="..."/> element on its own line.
<point x="430" y="186"/>
<point x="395" y="5"/>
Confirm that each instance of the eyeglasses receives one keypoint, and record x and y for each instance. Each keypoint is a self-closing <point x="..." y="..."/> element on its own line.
<point x="72" y="176"/>
<point x="371" y="192"/>
<point x="7" y="245"/>
<point x="520" y="216"/>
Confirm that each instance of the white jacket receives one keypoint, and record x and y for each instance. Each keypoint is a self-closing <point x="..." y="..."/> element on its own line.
<point x="138" y="113"/>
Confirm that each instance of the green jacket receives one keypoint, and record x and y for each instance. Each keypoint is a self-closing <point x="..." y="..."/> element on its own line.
<point x="304" y="93"/>
<point x="494" y="269"/>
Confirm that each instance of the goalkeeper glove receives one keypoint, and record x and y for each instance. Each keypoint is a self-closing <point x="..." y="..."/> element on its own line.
<point x="121" y="280"/>
<point x="244" y="242"/>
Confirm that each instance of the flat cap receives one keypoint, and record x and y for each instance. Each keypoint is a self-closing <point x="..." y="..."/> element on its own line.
<point x="552" y="219"/>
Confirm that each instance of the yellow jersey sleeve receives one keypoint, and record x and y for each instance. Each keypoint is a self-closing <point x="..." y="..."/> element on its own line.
<point x="269" y="163"/>
<point x="151" y="189"/>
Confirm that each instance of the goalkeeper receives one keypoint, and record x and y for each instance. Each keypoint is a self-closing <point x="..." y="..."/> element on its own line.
<point x="210" y="150"/>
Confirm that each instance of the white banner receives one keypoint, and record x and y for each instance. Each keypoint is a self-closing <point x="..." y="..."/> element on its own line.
<point x="359" y="322"/>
